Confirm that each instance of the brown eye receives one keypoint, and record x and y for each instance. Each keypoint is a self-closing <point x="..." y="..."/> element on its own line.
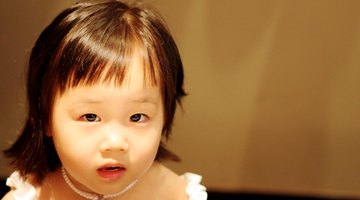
<point x="137" y="118"/>
<point x="91" y="117"/>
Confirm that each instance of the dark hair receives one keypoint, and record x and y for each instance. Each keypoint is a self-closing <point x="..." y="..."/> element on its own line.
<point x="90" y="40"/>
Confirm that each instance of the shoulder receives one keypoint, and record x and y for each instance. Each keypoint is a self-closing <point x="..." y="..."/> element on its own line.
<point x="171" y="185"/>
<point x="9" y="195"/>
<point x="20" y="188"/>
<point x="185" y="187"/>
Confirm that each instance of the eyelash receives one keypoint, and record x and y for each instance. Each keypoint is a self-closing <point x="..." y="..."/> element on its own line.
<point x="90" y="117"/>
<point x="135" y="118"/>
<point x="138" y="117"/>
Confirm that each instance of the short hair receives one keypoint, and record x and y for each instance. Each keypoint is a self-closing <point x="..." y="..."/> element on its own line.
<point x="89" y="40"/>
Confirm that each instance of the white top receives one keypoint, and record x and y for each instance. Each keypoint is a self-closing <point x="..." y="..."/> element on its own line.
<point x="25" y="191"/>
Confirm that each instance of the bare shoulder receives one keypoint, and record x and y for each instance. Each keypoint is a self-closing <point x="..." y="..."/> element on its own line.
<point x="9" y="195"/>
<point x="174" y="184"/>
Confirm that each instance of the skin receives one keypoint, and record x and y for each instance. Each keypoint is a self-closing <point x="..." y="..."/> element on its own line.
<point x="159" y="183"/>
<point x="94" y="126"/>
<point x="106" y="124"/>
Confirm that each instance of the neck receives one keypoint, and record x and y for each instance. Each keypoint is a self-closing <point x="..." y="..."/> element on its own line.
<point x="93" y="196"/>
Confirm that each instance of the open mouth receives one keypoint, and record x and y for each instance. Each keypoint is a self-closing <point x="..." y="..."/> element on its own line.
<point x="111" y="169"/>
<point x="111" y="172"/>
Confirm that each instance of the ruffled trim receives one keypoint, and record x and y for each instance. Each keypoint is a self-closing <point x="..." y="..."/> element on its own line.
<point x="23" y="190"/>
<point x="194" y="189"/>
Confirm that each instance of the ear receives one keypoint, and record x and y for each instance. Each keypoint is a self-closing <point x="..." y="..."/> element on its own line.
<point x="48" y="132"/>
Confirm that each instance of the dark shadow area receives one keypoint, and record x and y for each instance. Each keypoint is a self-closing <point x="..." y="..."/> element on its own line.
<point x="244" y="195"/>
<point x="3" y="188"/>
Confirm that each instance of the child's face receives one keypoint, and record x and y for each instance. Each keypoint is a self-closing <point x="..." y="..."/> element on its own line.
<point x="106" y="135"/>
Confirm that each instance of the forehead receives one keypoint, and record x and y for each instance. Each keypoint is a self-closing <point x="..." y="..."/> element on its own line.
<point x="136" y="68"/>
<point x="137" y="83"/>
<point x="136" y="76"/>
<point x="110" y="95"/>
<point x="138" y="72"/>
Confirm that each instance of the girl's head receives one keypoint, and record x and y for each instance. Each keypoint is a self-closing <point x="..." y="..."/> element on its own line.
<point x="92" y="43"/>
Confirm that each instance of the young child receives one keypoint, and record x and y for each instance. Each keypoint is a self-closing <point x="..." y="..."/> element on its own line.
<point x="103" y="83"/>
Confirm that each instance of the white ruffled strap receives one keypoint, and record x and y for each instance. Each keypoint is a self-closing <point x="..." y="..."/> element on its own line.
<point x="194" y="189"/>
<point x="23" y="190"/>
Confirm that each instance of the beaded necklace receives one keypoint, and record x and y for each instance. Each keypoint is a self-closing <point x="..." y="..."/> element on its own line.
<point x="93" y="196"/>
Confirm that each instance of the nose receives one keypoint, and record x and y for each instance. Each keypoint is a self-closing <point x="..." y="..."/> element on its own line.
<point x="114" y="140"/>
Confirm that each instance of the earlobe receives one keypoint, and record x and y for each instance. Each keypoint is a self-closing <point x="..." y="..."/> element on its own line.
<point x="48" y="132"/>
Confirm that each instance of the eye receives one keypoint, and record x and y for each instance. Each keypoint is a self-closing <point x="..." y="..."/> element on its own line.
<point x="138" y="117"/>
<point x="90" y="117"/>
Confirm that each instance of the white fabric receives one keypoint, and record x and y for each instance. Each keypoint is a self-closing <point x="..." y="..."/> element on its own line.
<point x="25" y="191"/>
<point x="194" y="190"/>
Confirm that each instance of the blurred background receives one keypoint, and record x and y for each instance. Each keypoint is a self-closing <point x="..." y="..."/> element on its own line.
<point x="274" y="90"/>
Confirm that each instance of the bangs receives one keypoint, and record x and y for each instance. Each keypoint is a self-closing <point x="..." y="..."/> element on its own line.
<point x="89" y="43"/>
<point x="87" y="56"/>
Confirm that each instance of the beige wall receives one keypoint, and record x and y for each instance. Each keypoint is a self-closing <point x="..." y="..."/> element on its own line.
<point x="274" y="101"/>
<point x="21" y="21"/>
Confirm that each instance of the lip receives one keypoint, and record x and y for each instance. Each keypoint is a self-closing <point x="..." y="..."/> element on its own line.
<point x="111" y="172"/>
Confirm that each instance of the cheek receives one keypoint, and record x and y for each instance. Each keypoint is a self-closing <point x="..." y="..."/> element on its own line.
<point x="146" y="142"/>
<point x="72" y="147"/>
<point x="145" y="149"/>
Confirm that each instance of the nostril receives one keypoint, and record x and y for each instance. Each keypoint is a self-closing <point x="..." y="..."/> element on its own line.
<point x="121" y="146"/>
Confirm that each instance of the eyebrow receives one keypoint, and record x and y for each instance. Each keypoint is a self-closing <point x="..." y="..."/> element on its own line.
<point x="87" y="100"/>
<point x="92" y="100"/>
<point x="144" y="99"/>
<point x="83" y="102"/>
